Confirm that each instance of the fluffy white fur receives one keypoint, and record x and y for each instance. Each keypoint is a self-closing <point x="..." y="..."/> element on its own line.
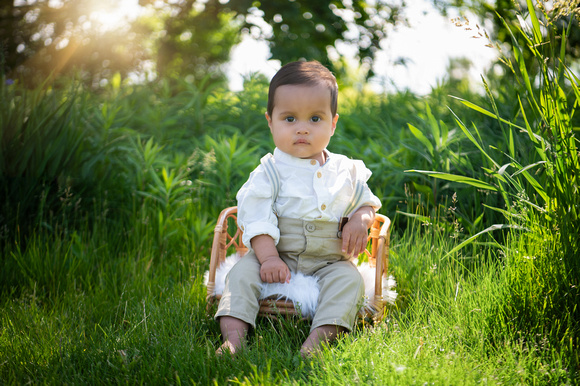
<point x="303" y="290"/>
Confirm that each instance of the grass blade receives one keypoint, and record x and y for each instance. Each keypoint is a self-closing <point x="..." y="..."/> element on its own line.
<point x="456" y="178"/>
<point x="486" y="230"/>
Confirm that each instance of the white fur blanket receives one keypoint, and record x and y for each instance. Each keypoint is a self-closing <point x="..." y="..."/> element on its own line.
<point x="303" y="290"/>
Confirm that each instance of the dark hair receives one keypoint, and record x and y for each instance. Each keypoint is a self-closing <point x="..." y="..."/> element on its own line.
<point x="300" y="73"/>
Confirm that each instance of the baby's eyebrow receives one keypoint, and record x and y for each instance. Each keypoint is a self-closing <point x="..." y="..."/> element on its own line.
<point x="292" y="113"/>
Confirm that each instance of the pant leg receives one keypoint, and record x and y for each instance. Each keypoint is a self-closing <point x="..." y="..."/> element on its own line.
<point x="242" y="290"/>
<point x="341" y="293"/>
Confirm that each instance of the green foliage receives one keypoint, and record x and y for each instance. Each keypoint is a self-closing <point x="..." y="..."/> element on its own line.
<point x="539" y="186"/>
<point x="40" y="141"/>
<point x="184" y="39"/>
<point x="42" y="39"/>
<point x="227" y="164"/>
<point x="554" y="205"/>
<point x="109" y="200"/>
<point x="195" y="43"/>
<point x="312" y="29"/>
<point x="502" y="14"/>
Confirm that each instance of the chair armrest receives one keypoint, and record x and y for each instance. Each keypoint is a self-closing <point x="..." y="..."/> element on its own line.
<point x="380" y="251"/>
<point x="220" y="245"/>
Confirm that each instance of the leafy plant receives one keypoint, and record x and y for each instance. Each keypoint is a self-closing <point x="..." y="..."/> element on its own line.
<point x="41" y="143"/>
<point x="541" y="198"/>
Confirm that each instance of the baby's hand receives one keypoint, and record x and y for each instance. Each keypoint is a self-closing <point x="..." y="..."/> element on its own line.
<point x="355" y="231"/>
<point x="354" y="237"/>
<point x="274" y="270"/>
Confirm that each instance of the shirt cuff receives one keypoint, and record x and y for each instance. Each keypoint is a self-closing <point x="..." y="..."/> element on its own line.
<point x="372" y="201"/>
<point x="259" y="228"/>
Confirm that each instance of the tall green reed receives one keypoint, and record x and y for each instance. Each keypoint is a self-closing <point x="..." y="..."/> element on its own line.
<point x="552" y="204"/>
<point x="536" y="174"/>
<point x="40" y="139"/>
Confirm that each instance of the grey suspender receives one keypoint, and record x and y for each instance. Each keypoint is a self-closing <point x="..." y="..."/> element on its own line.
<point x="267" y="162"/>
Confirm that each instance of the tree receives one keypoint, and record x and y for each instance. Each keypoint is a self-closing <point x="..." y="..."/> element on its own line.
<point x="294" y="29"/>
<point x="40" y="38"/>
<point x="185" y="37"/>
<point x="313" y="29"/>
<point x="188" y="39"/>
<point x="44" y="38"/>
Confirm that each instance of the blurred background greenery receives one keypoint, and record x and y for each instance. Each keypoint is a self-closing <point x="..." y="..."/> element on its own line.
<point x="120" y="142"/>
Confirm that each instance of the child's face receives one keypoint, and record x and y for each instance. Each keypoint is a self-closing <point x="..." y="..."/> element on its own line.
<point x="301" y="121"/>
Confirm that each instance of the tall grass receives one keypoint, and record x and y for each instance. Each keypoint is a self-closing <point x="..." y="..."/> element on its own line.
<point x="133" y="320"/>
<point x="536" y="174"/>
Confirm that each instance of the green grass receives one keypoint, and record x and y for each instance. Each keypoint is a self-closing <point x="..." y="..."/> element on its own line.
<point x="135" y="322"/>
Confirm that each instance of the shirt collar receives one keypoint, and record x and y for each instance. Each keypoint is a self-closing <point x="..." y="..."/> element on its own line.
<point x="300" y="162"/>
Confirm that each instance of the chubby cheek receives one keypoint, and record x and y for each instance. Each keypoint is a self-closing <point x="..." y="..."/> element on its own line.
<point x="280" y="138"/>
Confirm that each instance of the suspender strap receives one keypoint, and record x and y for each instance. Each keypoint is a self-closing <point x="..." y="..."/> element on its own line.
<point x="354" y="203"/>
<point x="267" y="162"/>
<point x="356" y="198"/>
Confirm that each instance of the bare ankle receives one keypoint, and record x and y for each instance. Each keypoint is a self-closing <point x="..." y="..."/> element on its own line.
<point x="234" y="333"/>
<point x="322" y="334"/>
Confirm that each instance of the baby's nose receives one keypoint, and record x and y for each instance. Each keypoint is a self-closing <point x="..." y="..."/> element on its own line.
<point x="302" y="128"/>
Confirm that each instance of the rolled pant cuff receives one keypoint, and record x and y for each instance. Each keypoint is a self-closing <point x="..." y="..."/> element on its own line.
<point x="242" y="317"/>
<point x="331" y="322"/>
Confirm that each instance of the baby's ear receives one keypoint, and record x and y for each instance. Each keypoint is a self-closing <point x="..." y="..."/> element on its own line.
<point x="334" y="120"/>
<point x="269" y="119"/>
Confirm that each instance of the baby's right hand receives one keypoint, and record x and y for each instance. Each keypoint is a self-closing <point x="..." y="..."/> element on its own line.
<point x="274" y="270"/>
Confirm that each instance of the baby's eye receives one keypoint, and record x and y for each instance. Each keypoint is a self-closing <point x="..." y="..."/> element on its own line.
<point x="315" y="118"/>
<point x="290" y="119"/>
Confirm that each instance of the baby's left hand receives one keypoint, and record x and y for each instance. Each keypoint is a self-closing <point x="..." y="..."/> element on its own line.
<point x="355" y="231"/>
<point x="354" y="237"/>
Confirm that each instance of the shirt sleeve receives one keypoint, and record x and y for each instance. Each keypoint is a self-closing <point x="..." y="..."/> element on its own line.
<point x="362" y="174"/>
<point x="255" y="213"/>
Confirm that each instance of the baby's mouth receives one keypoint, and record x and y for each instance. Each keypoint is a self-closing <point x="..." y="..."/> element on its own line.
<point x="301" y="142"/>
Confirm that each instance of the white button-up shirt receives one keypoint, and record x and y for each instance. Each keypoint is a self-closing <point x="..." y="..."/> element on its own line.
<point x="308" y="191"/>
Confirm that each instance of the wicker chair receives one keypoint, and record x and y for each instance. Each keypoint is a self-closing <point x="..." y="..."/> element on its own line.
<point x="229" y="240"/>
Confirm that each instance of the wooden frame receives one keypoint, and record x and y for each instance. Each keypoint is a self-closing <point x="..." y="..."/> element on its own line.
<point x="378" y="257"/>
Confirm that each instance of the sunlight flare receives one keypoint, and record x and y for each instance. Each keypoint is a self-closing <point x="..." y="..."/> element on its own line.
<point x="110" y="16"/>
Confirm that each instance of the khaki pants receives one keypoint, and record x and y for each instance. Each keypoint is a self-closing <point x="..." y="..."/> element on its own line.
<point x="310" y="247"/>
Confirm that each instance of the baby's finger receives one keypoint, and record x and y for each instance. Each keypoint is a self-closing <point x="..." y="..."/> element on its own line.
<point x="269" y="277"/>
<point x="356" y="248"/>
<point x="345" y="238"/>
<point x="363" y="245"/>
<point x="351" y="245"/>
<point x="348" y="245"/>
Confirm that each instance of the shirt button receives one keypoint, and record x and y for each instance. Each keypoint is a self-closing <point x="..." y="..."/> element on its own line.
<point x="323" y="207"/>
<point x="312" y="162"/>
<point x="318" y="174"/>
<point x="310" y="227"/>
